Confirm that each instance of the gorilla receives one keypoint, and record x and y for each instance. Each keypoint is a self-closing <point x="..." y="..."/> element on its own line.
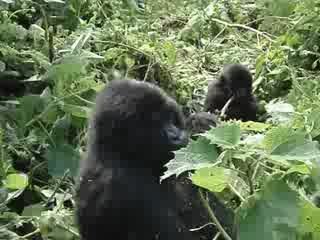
<point x="235" y="82"/>
<point x="200" y="122"/>
<point x="133" y="132"/>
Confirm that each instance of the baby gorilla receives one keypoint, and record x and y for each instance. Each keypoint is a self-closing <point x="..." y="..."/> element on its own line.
<point x="236" y="82"/>
<point x="132" y="134"/>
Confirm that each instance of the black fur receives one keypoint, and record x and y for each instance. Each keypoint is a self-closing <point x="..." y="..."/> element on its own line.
<point x="236" y="81"/>
<point x="132" y="133"/>
<point x="194" y="214"/>
<point x="200" y="122"/>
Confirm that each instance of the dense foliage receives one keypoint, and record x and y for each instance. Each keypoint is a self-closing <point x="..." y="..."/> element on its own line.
<point x="55" y="55"/>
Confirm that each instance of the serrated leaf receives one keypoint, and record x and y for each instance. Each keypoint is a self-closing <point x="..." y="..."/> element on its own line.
<point x="280" y="112"/>
<point x="280" y="135"/>
<point x="254" y="126"/>
<point x="61" y="158"/>
<point x="227" y="135"/>
<point x="16" y="181"/>
<point x="215" y="179"/>
<point x="272" y="214"/>
<point x="196" y="155"/>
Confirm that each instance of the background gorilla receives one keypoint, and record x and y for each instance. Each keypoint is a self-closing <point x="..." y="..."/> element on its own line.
<point x="132" y="134"/>
<point x="235" y="81"/>
<point x="200" y="123"/>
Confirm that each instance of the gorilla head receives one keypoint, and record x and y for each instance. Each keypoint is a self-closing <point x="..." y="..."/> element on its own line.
<point x="238" y="79"/>
<point x="137" y="120"/>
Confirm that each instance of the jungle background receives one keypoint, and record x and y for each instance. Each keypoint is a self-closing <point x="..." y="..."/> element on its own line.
<point x="56" y="55"/>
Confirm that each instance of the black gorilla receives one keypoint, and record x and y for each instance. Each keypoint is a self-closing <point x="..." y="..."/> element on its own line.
<point x="235" y="81"/>
<point x="200" y="122"/>
<point x="132" y="134"/>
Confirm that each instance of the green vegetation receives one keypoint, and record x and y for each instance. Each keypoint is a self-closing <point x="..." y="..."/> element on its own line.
<point x="55" y="55"/>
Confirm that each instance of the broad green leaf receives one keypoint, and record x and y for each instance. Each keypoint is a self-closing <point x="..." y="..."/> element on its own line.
<point x="297" y="150"/>
<point x="254" y="126"/>
<point x="16" y="181"/>
<point x="310" y="220"/>
<point x="301" y="168"/>
<point x="277" y="136"/>
<point x="280" y="112"/>
<point x="227" y="135"/>
<point x="215" y="179"/>
<point x="61" y="158"/>
<point x="272" y="214"/>
<point x="33" y="210"/>
<point x="196" y="155"/>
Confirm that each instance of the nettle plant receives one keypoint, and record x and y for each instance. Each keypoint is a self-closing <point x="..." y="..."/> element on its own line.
<point x="272" y="169"/>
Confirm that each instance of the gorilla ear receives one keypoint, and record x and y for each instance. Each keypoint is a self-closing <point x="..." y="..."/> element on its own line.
<point x="177" y="137"/>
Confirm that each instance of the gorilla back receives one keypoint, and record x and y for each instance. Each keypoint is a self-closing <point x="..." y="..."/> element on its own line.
<point x="132" y="134"/>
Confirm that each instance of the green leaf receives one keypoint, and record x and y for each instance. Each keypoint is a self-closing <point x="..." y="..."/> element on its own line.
<point x="59" y="129"/>
<point x="30" y="106"/>
<point x="272" y="214"/>
<point x="33" y="210"/>
<point x="78" y="111"/>
<point x="254" y="126"/>
<point x="215" y="179"/>
<point x="170" y="52"/>
<point x="227" y="135"/>
<point x="284" y="143"/>
<point x="61" y="158"/>
<point x="6" y="234"/>
<point x="280" y="112"/>
<point x="301" y="168"/>
<point x="196" y="155"/>
<point x="310" y="220"/>
<point x="281" y="8"/>
<point x="3" y="195"/>
<point x="16" y="181"/>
